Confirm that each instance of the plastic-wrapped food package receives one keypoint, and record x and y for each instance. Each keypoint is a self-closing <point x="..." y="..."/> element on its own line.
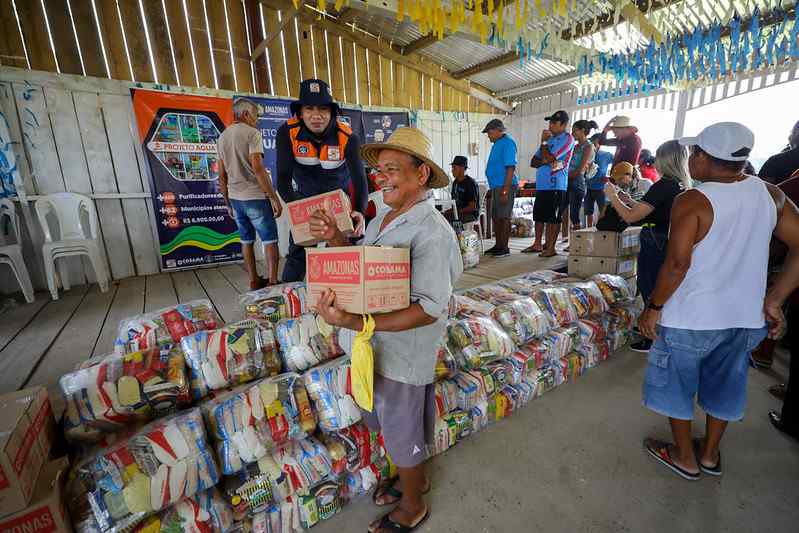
<point x="546" y="378"/>
<point x="446" y="396"/>
<point x="544" y="276"/>
<point x="473" y="386"/>
<point x="461" y="306"/>
<point x="502" y="372"/>
<point x="293" y="468"/>
<point x="478" y="340"/>
<point x="534" y="354"/>
<point x="492" y="293"/>
<point x="573" y="332"/>
<point x="306" y="341"/>
<point x="520" y="285"/>
<point x="164" y="462"/>
<point x="203" y="512"/>
<point x="235" y="354"/>
<point x="591" y="331"/>
<point x="614" y="288"/>
<point x="444" y="437"/>
<point x="328" y="386"/>
<point x="355" y="484"/>
<point x="470" y="248"/>
<point x="586" y="298"/>
<point x="165" y="326"/>
<point x="557" y="302"/>
<point x="119" y="390"/>
<point x="250" y="421"/>
<point x="298" y="513"/>
<point x="560" y="343"/>
<point x="522" y="319"/>
<point x="479" y="416"/>
<point x="353" y="448"/>
<point x="272" y="304"/>
<point x="446" y="364"/>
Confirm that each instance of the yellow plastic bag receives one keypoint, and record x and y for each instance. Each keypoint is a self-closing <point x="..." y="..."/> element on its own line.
<point x="363" y="365"/>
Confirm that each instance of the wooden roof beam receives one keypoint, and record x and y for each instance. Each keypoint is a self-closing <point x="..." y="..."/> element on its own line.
<point x="497" y="62"/>
<point x="420" y="44"/>
<point x="286" y="20"/>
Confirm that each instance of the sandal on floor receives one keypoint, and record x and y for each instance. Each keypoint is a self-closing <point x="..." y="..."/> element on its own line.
<point x="388" y="489"/>
<point x="387" y="524"/>
<point x="532" y="250"/>
<point x="547" y="254"/>
<point x="712" y="471"/>
<point x="660" y="451"/>
<point x="778" y="391"/>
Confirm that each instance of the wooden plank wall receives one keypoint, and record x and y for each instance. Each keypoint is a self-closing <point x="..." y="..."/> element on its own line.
<point x="204" y="43"/>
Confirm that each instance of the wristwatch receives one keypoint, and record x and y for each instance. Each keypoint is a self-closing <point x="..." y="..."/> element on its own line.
<point x="654" y="307"/>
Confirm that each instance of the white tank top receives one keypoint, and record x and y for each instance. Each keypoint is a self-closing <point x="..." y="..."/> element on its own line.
<point x="726" y="283"/>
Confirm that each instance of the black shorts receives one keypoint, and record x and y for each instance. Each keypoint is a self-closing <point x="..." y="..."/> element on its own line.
<point x="549" y="206"/>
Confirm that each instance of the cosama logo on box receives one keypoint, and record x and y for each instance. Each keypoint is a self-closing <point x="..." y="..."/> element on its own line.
<point x="38" y="521"/>
<point x="301" y="211"/>
<point x="383" y="271"/>
<point x="343" y="267"/>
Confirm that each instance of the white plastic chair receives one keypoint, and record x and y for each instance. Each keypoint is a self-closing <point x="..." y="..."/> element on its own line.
<point x="11" y="254"/>
<point x="67" y="208"/>
<point x="377" y="198"/>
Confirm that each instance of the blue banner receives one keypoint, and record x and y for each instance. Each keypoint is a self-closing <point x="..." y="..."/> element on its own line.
<point x="353" y="118"/>
<point x="378" y="126"/>
<point x="272" y="113"/>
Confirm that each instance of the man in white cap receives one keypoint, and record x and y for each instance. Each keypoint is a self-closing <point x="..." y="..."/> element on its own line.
<point x="626" y="140"/>
<point x="709" y="307"/>
<point x="404" y="341"/>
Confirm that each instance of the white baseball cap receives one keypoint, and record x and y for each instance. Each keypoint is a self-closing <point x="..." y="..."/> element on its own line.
<point x="729" y="141"/>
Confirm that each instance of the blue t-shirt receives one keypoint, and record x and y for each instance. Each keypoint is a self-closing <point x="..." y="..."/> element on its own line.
<point x="562" y="147"/>
<point x="603" y="161"/>
<point x="503" y="155"/>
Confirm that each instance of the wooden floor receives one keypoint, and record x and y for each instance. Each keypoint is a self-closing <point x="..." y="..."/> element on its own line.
<point x="40" y="342"/>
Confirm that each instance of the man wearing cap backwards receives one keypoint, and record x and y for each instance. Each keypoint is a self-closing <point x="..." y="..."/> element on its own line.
<point x="317" y="153"/>
<point x="247" y="188"/>
<point x="464" y="191"/>
<point x="709" y="307"/>
<point x="503" y="182"/>
<point x="404" y="341"/>
<point x="551" y="182"/>
<point x="627" y="142"/>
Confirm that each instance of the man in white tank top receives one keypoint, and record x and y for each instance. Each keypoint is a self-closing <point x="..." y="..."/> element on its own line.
<point x="709" y="307"/>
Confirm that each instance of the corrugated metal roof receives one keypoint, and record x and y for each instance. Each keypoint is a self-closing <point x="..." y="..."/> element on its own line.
<point x="400" y="33"/>
<point x="514" y="75"/>
<point x="455" y="53"/>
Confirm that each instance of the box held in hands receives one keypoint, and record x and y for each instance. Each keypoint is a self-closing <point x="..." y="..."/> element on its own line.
<point x="366" y="279"/>
<point x="300" y="212"/>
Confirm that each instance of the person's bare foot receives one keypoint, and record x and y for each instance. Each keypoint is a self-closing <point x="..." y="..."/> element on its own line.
<point x="260" y="283"/>
<point x="533" y="249"/>
<point x="548" y="253"/>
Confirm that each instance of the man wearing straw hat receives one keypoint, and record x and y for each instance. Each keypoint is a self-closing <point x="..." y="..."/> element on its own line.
<point x="404" y="341"/>
<point x="627" y="141"/>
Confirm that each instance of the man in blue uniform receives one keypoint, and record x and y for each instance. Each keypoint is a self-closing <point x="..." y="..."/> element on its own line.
<point x="317" y="153"/>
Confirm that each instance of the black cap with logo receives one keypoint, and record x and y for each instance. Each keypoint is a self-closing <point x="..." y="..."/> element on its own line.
<point x="494" y="124"/>
<point x="558" y="116"/>
<point x="314" y="92"/>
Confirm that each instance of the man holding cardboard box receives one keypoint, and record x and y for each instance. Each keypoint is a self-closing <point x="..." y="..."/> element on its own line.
<point x="317" y="153"/>
<point x="404" y="340"/>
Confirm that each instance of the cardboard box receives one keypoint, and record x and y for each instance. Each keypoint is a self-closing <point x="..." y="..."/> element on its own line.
<point x="367" y="279"/>
<point x="27" y="430"/>
<point x="46" y="514"/>
<point x="300" y="213"/>
<point x="593" y="243"/>
<point x="584" y="267"/>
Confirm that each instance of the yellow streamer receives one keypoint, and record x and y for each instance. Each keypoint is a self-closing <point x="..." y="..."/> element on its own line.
<point x="321" y="5"/>
<point x="400" y="9"/>
<point x="518" y="15"/>
<point x="563" y="8"/>
<point x="490" y="8"/>
<point x="541" y="11"/>
<point x="363" y="365"/>
<point x="339" y="4"/>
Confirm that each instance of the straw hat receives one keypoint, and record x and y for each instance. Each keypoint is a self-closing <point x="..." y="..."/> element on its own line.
<point x="411" y="141"/>
<point x="621" y="121"/>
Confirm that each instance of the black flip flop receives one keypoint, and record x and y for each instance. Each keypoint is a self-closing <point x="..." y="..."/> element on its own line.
<point x="386" y="523"/>
<point x="389" y="489"/>
<point x="660" y="451"/>
<point x="532" y="250"/>
<point x="712" y="471"/>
